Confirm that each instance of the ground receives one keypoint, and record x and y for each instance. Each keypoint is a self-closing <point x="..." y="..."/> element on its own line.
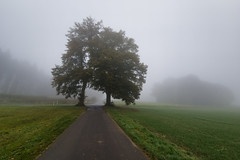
<point x="94" y="135"/>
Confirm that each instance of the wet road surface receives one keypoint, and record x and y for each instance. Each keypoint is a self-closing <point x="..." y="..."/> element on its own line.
<point x="93" y="136"/>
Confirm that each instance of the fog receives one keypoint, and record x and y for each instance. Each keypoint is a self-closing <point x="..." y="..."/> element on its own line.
<point x="175" y="37"/>
<point x="190" y="90"/>
<point x="22" y="78"/>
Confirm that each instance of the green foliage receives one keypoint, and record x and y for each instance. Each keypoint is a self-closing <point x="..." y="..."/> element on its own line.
<point x="71" y="78"/>
<point x="209" y="133"/>
<point x="100" y="56"/>
<point x="25" y="132"/>
<point x="155" y="146"/>
<point x="117" y="68"/>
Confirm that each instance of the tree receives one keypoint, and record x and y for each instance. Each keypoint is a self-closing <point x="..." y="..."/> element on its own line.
<point x="105" y="59"/>
<point x="117" y="68"/>
<point x="73" y="76"/>
<point x="192" y="91"/>
<point x="22" y="78"/>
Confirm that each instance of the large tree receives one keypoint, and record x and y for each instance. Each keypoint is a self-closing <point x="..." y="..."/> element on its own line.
<point x="117" y="68"/>
<point x="73" y="76"/>
<point x="101" y="57"/>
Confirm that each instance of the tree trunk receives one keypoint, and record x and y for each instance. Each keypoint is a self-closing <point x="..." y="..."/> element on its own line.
<point x="82" y="97"/>
<point x="108" y="99"/>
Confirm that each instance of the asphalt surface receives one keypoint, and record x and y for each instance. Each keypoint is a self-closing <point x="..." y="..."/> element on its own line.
<point x="93" y="136"/>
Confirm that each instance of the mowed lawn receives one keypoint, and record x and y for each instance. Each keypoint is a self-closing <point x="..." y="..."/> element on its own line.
<point x="25" y="132"/>
<point x="207" y="133"/>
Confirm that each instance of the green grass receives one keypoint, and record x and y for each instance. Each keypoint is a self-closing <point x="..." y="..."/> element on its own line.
<point x="17" y="100"/>
<point x="208" y="133"/>
<point x="151" y="143"/>
<point x="25" y="132"/>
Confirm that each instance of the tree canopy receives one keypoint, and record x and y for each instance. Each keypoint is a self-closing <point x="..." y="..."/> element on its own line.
<point x="117" y="69"/>
<point x="100" y="58"/>
<point x="73" y="76"/>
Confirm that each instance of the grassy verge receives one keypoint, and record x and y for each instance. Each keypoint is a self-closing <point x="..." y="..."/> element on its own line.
<point x="25" y="132"/>
<point x="208" y="133"/>
<point x="155" y="146"/>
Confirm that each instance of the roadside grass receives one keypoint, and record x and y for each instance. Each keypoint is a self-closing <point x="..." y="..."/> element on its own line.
<point x="25" y="132"/>
<point x="151" y="143"/>
<point x="208" y="133"/>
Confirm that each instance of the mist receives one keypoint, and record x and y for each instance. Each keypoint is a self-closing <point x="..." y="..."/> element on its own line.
<point x="175" y="38"/>
<point x="190" y="90"/>
<point x="23" y="78"/>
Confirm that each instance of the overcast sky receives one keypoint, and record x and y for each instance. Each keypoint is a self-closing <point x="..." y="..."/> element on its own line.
<point x="175" y="37"/>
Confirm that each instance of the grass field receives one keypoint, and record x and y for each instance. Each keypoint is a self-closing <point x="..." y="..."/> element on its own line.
<point x="25" y="132"/>
<point x="12" y="100"/>
<point x="203" y="133"/>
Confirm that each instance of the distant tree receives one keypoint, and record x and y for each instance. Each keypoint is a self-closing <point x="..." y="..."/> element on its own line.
<point x="193" y="91"/>
<point x="117" y="68"/>
<point x="73" y="76"/>
<point x="22" y="78"/>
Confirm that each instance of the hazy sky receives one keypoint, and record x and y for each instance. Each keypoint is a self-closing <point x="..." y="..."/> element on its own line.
<point x="175" y="37"/>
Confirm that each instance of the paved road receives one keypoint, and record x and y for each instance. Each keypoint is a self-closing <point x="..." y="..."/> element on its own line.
<point x="93" y="136"/>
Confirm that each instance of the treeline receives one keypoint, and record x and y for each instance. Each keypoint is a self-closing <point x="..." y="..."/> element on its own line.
<point x="22" y="78"/>
<point x="193" y="91"/>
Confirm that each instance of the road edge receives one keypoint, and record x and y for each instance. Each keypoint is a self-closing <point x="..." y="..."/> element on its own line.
<point x="121" y="130"/>
<point x="37" y="157"/>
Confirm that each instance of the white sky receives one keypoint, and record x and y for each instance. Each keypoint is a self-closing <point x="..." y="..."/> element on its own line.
<point x="175" y="37"/>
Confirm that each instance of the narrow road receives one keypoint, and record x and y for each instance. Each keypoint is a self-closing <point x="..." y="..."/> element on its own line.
<point x="93" y="136"/>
